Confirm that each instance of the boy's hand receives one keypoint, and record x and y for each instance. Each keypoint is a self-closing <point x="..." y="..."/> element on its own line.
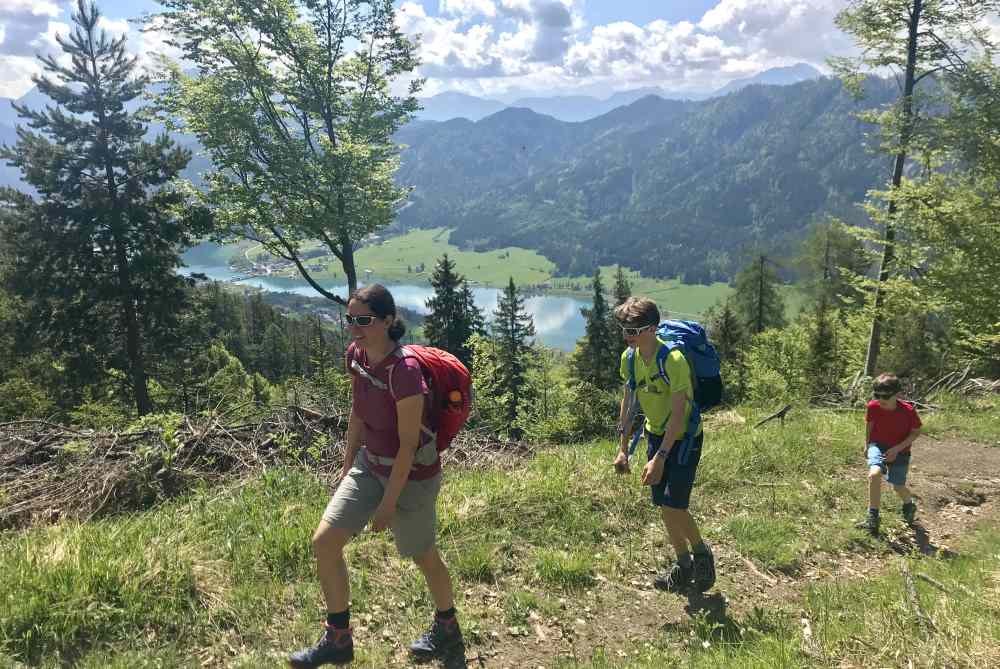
<point x="653" y="471"/>
<point x="890" y="455"/>
<point x="621" y="463"/>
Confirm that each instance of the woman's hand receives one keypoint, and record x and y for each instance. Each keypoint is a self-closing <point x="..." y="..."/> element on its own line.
<point x="384" y="515"/>
<point x="653" y="471"/>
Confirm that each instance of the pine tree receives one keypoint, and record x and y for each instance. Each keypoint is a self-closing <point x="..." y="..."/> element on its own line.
<point x="513" y="330"/>
<point x="757" y="300"/>
<point x="596" y="356"/>
<point x="102" y="241"/>
<point x="822" y="351"/>
<point x="729" y="337"/>
<point x="623" y="289"/>
<point x="453" y="316"/>
<point x="831" y="258"/>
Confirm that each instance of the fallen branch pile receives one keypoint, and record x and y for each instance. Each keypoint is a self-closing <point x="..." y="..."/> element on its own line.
<point x="50" y="471"/>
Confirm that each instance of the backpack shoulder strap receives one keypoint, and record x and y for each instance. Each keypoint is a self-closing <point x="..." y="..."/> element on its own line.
<point x="661" y="360"/>
<point x="630" y="361"/>
<point x="400" y="354"/>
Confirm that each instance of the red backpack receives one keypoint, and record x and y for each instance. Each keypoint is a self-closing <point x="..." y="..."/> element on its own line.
<point x="451" y="390"/>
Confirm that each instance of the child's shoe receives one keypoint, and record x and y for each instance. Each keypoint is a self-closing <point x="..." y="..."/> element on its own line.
<point x="870" y="523"/>
<point x="704" y="569"/>
<point x="676" y="579"/>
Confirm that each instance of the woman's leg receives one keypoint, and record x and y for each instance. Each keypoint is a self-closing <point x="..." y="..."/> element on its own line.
<point x="328" y="546"/>
<point x="438" y="578"/>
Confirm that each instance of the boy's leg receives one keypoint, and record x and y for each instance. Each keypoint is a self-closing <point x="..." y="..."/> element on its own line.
<point x="874" y="488"/>
<point x="898" y="472"/>
<point x="876" y="469"/>
<point x="673" y="498"/>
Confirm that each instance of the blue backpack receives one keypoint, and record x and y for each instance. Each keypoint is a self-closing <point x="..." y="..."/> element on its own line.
<point x="706" y="374"/>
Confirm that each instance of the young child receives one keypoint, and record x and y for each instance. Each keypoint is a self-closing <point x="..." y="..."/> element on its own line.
<point x="892" y="426"/>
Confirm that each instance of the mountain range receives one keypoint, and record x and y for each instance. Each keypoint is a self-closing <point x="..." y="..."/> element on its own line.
<point x="674" y="188"/>
<point x="446" y="106"/>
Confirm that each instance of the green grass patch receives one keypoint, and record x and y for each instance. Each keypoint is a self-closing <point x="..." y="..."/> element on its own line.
<point x="567" y="569"/>
<point x="976" y="419"/>
<point x="770" y="540"/>
<point x="226" y="576"/>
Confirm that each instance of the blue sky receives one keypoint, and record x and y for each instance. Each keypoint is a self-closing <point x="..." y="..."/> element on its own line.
<point x="511" y="47"/>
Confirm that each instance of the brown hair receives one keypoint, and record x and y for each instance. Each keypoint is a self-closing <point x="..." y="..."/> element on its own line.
<point x="887" y="383"/>
<point x="379" y="300"/>
<point x="638" y="311"/>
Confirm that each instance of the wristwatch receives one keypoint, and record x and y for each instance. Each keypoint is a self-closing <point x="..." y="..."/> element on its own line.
<point x="661" y="453"/>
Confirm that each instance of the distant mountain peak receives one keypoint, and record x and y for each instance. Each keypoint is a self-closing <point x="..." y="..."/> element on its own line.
<point x="775" y="76"/>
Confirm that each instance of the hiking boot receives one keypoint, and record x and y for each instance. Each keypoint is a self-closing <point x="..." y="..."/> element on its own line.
<point x="703" y="569"/>
<point x="909" y="512"/>
<point x="676" y="579"/>
<point x="870" y="523"/>
<point x="336" y="646"/>
<point x="443" y="638"/>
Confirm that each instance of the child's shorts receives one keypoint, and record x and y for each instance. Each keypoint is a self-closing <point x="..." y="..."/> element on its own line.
<point x="674" y="489"/>
<point x="894" y="472"/>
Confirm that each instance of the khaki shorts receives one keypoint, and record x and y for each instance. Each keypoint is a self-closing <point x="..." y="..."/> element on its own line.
<point x="359" y="494"/>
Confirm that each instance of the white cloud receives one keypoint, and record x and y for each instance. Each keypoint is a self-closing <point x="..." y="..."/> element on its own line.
<point x="795" y="29"/>
<point x="468" y="9"/>
<point x="492" y="46"/>
<point x="15" y="75"/>
<point x="658" y="52"/>
<point x="113" y="27"/>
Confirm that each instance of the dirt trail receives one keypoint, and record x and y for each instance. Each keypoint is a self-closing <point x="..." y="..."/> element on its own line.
<point x="956" y="482"/>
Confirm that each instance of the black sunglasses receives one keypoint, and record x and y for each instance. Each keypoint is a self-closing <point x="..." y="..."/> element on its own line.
<point x="633" y="331"/>
<point x="360" y="321"/>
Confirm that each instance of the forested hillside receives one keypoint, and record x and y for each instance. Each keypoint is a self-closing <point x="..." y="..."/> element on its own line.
<point x="667" y="187"/>
<point x="671" y="188"/>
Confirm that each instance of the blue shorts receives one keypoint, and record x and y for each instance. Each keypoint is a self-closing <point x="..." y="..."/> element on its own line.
<point x="674" y="488"/>
<point x="895" y="472"/>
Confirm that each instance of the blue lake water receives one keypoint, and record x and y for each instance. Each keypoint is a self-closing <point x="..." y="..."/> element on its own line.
<point x="558" y="322"/>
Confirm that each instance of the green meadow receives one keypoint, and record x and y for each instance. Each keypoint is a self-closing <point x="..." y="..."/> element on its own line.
<point x="552" y="561"/>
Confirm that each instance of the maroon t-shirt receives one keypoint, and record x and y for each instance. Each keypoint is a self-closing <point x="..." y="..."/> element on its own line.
<point x="888" y="428"/>
<point x="377" y="407"/>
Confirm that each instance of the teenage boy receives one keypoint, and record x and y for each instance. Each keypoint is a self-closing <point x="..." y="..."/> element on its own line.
<point x="674" y="446"/>
<point x="892" y="426"/>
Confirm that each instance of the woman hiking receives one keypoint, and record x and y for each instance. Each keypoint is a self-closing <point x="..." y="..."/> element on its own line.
<point x="390" y="480"/>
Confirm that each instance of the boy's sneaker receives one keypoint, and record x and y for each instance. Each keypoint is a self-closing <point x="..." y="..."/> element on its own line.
<point x="870" y="523"/>
<point x="336" y="646"/>
<point x="676" y="579"/>
<point x="909" y="512"/>
<point x="704" y="570"/>
<point x="443" y="638"/>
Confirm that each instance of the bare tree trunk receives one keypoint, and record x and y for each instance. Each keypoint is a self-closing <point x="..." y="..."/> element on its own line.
<point x="888" y="252"/>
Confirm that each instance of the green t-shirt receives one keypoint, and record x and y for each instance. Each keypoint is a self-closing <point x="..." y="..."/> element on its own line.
<point x="655" y="394"/>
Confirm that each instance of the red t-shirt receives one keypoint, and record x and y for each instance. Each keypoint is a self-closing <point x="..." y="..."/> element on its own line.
<point x="377" y="407"/>
<point x="888" y="428"/>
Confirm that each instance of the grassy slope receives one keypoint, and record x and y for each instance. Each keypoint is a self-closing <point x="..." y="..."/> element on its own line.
<point x="225" y="577"/>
